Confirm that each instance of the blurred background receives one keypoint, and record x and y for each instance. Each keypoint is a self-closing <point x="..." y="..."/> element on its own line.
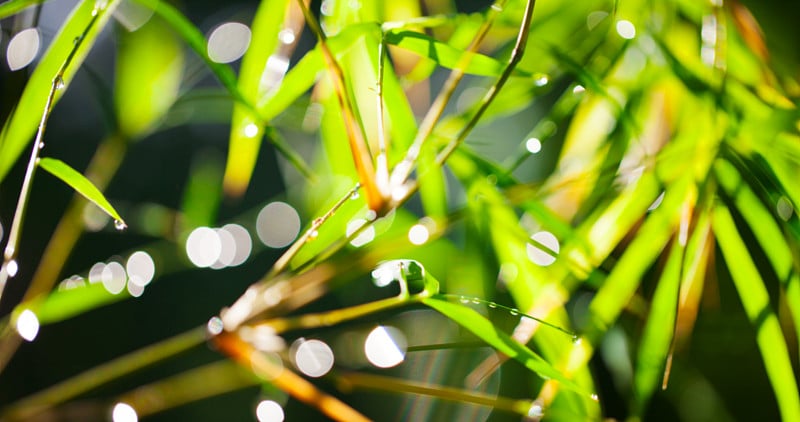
<point x="169" y="186"/>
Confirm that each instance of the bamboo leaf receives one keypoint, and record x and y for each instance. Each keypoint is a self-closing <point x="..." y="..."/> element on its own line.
<point x="481" y="327"/>
<point x="446" y="55"/>
<point x="651" y="239"/>
<point x="148" y="76"/>
<point x="65" y="304"/>
<point x="197" y="42"/>
<point x="22" y="124"/>
<point x="255" y="79"/>
<point x="766" y="231"/>
<point x="755" y="300"/>
<point x="81" y="184"/>
<point x="658" y="331"/>
<point x="12" y="7"/>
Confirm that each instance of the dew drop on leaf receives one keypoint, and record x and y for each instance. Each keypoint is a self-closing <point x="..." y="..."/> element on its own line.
<point x="12" y="267"/>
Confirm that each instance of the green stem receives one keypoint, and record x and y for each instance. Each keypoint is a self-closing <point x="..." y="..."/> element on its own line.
<point x="86" y="381"/>
<point x="10" y="266"/>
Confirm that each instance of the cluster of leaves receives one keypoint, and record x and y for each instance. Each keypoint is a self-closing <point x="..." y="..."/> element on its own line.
<point x="646" y="138"/>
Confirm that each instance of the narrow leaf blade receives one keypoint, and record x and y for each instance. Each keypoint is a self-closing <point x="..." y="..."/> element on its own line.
<point x="81" y="184"/>
<point x="502" y="342"/>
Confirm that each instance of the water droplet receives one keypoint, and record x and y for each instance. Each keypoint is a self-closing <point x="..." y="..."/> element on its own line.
<point x="536" y="411"/>
<point x="354" y="195"/>
<point x="12" y="267"/>
<point x="59" y="82"/>
<point x="533" y="145"/>
<point x="540" y="79"/>
<point x="497" y="8"/>
<point x="120" y="225"/>
<point x="41" y="145"/>
<point x="514" y="312"/>
<point x="214" y="326"/>
<point x="313" y="235"/>
<point x="476" y="301"/>
<point x="492" y="305"/>
<point x="27" y="325"/>
<point x="576" y="340"/>
<point x="464" y="299"/>
<point x="785" y="208"/>
<point x="594" y="397"/>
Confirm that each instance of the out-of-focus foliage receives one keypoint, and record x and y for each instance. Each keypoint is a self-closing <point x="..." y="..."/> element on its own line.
<point x="592" y="216"/>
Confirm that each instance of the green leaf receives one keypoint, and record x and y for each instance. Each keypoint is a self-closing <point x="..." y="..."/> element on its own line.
<point x="446" y="55"/>
<point x="12" y="7"/>
<point x="203" y="192"/>
<point x="197" y="42"/>
<point x="24" y="121"/>
<point x="246" y="126"/>
<point x="767" y="232"/>
<point x="659" y="330"/>
<point x="481" y="327"/>
<point x="81" y="184"/>
<point x="148" y="76"/>
<point x="755" y="300"/>
<point x="64" y="304"/>
<point x="624" y="279"/>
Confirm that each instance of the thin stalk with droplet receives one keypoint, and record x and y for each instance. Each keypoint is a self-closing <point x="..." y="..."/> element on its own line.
<point x="402" y="172"/>
<point x="9" y="267"/>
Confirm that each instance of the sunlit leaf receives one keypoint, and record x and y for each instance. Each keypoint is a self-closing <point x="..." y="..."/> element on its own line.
<point x="12" y="7"/>
<point x="446" y="55"/>
<point x="261" y="71"/>
<point x="81" y="184"/>
<point x="64" y="304"/>
<point x="481" y="327"/>
<point x="148" y="76"/>
<point x="22" y="124"/>
<point x="756" y="302"/>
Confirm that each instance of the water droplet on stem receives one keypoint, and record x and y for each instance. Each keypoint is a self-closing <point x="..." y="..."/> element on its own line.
<point x="59" y="82"/>
<point x="12" y="268"/>
<point x="120" y="225"/>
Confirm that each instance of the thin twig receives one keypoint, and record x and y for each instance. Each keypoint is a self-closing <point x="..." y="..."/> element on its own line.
<point x="97" y="376"/>
<point x="302" y="390"/>
<point x="358" y="145"/>
<point x="10" y="266"/>
<point x="403" y="170"/>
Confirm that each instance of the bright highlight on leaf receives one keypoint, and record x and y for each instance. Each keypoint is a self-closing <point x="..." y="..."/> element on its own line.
<point x="81" y="184"/>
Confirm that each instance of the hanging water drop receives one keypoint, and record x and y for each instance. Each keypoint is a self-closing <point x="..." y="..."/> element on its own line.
<point x="513" y="312"/>
<point x="41" y="145"/>
<point x="492" y="305"/>
<point x="12" y="267"/>
<point x="576" y="340"/>
<point x="59" y="82"/>
<point x="594" y="397"/>
<point x="313" y="235"/>
<point x="464" y="300"/>
<point x="120" y="225"/>
<point x="354" y="195"/>
<point x="476" y="301"/>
